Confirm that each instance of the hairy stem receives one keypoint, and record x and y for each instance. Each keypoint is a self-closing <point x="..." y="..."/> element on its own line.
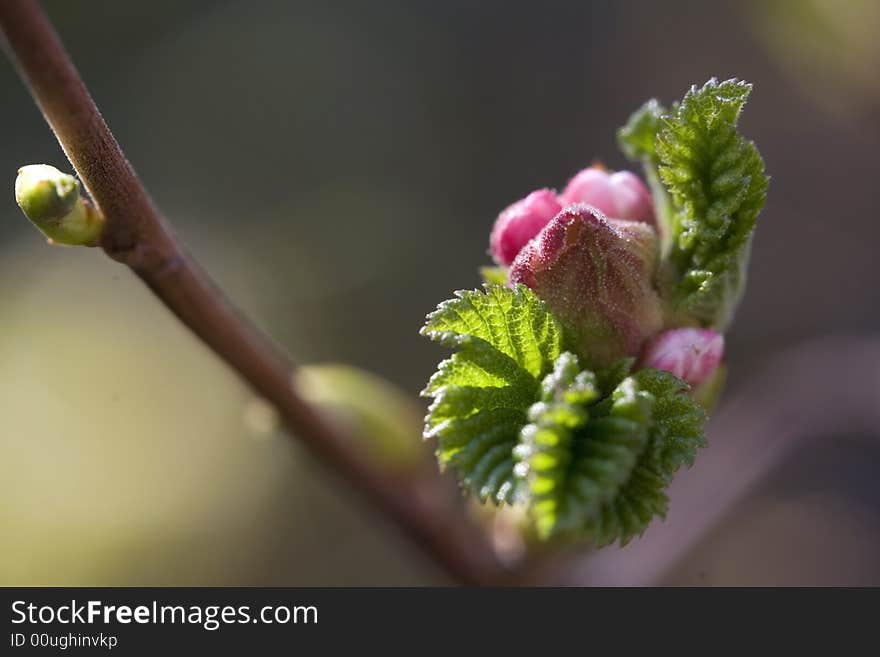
<point x="137" y="235"/>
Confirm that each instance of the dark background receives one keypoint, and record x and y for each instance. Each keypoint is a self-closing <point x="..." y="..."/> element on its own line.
<point x="337" y="166"/>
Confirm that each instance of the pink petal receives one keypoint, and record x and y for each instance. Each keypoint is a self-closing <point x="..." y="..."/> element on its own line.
<point x="590" y="186"/>
<point x="520" y="222"/>
<point x="620" y="195"/>
<point x="631" y="197"/>
<point x="691" y="354"/>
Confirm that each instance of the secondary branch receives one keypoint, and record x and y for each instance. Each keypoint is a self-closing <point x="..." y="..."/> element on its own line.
<point x="137" y="235"/>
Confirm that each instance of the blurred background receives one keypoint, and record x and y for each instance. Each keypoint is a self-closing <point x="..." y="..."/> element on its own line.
<point x="337" y="166"/>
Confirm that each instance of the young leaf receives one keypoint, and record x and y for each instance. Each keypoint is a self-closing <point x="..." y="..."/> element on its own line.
<point x="638" y="141"/>
<point x="677" y="421"/>
<point x="637" y="138"/>
<point x="507" y="342"/>
<point x="716" y="183"/>
<point x="675" y="433"/>
<point x="601" y="469"/>
<point x="610" y="377"/>
<point x="574" y="463"/>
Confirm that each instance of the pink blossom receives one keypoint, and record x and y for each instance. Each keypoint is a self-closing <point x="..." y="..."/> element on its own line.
<point x="520" y="222"/>
<point x="620" y="195"/>
<point x="691" y="354"/>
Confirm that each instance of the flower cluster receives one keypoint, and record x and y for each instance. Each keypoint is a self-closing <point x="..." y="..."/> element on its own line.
<point x="583" y="371"/>
<point x="591" y="254"/>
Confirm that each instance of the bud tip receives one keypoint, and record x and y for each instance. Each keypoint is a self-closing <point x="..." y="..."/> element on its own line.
<point x="691" y="354"/>
<point x="619" y="195"/>
<point x="51" y="200"/>
<point x="520" y="222"/>
<point x="44" y="193"/>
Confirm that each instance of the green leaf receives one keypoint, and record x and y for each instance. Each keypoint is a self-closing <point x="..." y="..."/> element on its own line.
<point x="520" y="420"/>
<point x="507" y="342"/>
<point x="677" y="429"/>
<point x="610" y="377"/>
<point x="717" y="186"/>
<point x="637" y="138"/>
<point x="600" y="469"/>
<point x="638" y="141"/>
<point x="574" y="463"/>
<point x="675" y="434"/>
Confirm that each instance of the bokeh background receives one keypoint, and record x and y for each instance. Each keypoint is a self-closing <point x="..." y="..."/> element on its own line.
<point x="336" y="166"/>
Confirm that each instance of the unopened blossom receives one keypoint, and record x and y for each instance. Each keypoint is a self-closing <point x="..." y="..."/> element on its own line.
<point x="52" y="201"/>
<point x="520" y="222"/>
<point x="620" y="195"/>
<point x="691" y="354"/>
<point x="595" y="274"/>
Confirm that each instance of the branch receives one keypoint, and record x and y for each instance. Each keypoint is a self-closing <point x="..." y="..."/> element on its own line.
<point x="137" y="235"/>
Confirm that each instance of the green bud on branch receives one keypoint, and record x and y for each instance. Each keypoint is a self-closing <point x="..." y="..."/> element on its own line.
<point x="52" y="201"/>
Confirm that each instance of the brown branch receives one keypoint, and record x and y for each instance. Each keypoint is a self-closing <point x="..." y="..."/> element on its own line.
<point x="138" y="236"/>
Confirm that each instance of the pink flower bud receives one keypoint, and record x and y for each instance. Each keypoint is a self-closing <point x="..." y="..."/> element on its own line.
<point x="621" y="195"/>
<point x="691" y="354"/>
<point x="596" y="275"/>
<point x="520" y="222"/>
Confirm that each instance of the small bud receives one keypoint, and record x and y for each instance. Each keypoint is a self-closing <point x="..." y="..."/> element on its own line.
<point x="44" y="193"/>
<point x="520" y="222"/>
<point x="691" y="354"/>
<point x="382" y="416"/>
<point x="52" y="202"/>
<point x="620" y="195"/>
<point x="596" y="275"/>
<point x="261" y="418"/>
